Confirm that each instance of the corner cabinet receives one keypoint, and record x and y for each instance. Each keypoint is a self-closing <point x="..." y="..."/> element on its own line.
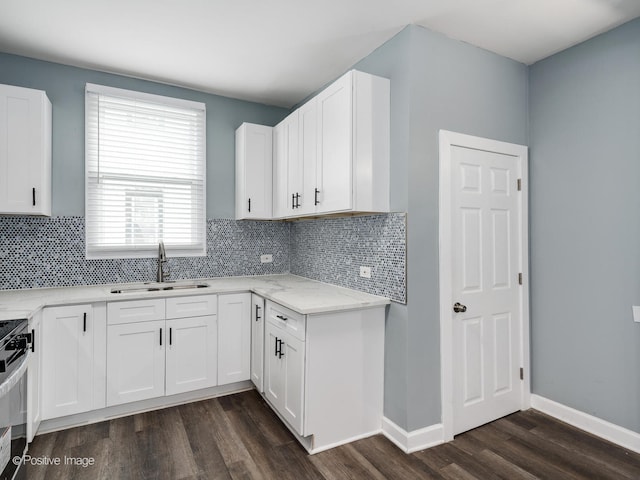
<point x="234" y="337"/>
<point x="25" y="151"/>
<point x="331" y="155"/>
<point x="73" y="351"/>
<point x="323" y="373"/>
<point x="254" y="154"/>
<point x="287" y="168"/>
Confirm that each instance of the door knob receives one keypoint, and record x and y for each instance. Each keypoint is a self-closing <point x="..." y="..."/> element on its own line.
<point x="458" y="307"/>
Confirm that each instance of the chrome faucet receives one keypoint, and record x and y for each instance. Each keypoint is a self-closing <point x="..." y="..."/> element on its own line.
<point x="161" y="275"/>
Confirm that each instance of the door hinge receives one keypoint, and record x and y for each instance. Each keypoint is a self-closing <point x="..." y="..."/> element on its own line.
<point x="519" y="184"/>
<point x="521" y="373"/>
<point x="519" y="279"/>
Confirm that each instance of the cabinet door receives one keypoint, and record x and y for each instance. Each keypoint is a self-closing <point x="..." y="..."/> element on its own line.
<point x="135" y="361"/>
<point x="257" y="341"/>
<point x="308" y="154"/>
<point x="293" y="375"/>
<point x="234" y="337"/>
<point x="25" y="153"/>
<point x="67" y="360"/>
<point x="273" y="366"/>
<point x="34" y="410"/>
<point x="284" y="375"/>
<point x="191" y="354"/>
<point x="334" y="165"/>
<point x="254" y="153"/>
<point x="287" y="171"/>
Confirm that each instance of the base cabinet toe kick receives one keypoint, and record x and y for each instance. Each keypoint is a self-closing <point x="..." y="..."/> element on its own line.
<point x="321" y="373"/>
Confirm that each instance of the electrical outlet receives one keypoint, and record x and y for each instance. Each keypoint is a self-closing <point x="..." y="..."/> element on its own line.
<point x="365" y="272"/>
<point x="636" y="314"/>
<point x="268" y="258"/>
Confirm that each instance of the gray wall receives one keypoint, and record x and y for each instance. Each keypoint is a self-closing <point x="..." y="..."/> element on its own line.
<point x="585" y="226"/>
<point x="65" y="88"/>
<point x="437" y="83"/>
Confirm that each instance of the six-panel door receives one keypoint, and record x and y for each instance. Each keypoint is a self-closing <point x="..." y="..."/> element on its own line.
<point x="486" y="261"/>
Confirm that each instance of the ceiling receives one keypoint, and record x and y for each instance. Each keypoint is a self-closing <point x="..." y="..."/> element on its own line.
<point x="279" y="51"/>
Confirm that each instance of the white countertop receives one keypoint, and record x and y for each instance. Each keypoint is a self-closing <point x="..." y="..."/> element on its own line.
<point x="297" y="293"/>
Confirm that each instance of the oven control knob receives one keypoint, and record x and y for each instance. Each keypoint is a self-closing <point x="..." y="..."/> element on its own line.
<point x="18" y="343"/>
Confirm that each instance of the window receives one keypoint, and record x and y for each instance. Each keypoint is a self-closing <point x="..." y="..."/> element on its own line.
<point x="145" y="174"/>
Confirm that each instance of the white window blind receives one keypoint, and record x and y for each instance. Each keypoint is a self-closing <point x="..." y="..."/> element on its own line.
<point x="145" y="174"/>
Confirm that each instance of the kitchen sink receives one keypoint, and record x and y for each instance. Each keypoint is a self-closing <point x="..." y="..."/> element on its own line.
<point x="159" y="288"/>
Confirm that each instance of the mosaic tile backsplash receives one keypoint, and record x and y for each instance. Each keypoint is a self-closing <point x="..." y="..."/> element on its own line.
<point x="332" y="250"/>
<point x="49" y="252"/>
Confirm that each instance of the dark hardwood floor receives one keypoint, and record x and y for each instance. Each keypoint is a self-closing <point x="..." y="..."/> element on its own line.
<point x="239" y="437"/>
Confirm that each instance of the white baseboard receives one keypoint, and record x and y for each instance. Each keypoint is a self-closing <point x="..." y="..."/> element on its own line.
<point x="415" y="440"/>
<point x="594" y="425"/>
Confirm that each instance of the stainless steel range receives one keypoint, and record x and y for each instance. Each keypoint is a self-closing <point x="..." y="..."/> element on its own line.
<point x="15" y="342"/>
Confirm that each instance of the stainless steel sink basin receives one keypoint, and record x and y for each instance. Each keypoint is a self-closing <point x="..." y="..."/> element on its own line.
<point x="159" y="288"/>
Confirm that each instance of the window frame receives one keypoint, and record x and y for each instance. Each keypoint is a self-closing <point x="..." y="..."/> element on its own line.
<point x="148" y="251"/>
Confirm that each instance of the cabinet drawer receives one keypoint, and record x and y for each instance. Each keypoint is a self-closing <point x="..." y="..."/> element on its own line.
<point x="192" y="306"/>
<point x="135" y="311"/>
<point x="290" y="321"/>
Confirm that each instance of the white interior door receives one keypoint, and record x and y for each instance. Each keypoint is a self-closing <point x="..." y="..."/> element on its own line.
<point x="485" y="306"/>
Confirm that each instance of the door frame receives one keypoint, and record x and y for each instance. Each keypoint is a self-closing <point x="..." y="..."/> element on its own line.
<point x="447" y="140"/>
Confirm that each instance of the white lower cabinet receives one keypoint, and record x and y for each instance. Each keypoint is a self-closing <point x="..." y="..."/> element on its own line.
<point x="192" y="360"/>
<point x="73" y="343"/>
<point x="34" y="377"/>
<point x="135" y="361"/>
<point x="166" y="353"/>
<point x="234" y="337"/>
<point x="323" y="373"/>
<point x="257" y="341"/>
<point x="284" y="374"/>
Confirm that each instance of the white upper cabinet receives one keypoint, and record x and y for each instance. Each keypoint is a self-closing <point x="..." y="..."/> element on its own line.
<point x="341" y="163"/>
<point x="287" y="171"/>
<point x="25" y="151"/>
<point x="254" y="152"/>
<point x="335" y="162"/>
<point x="331" y="155"/>
<point x="308" y="154"/>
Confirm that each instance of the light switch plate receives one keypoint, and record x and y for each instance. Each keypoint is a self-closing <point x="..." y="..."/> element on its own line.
<point x="636" y="314"/>
<point x="268" y="258"/>
<point x="365" y="272"/>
